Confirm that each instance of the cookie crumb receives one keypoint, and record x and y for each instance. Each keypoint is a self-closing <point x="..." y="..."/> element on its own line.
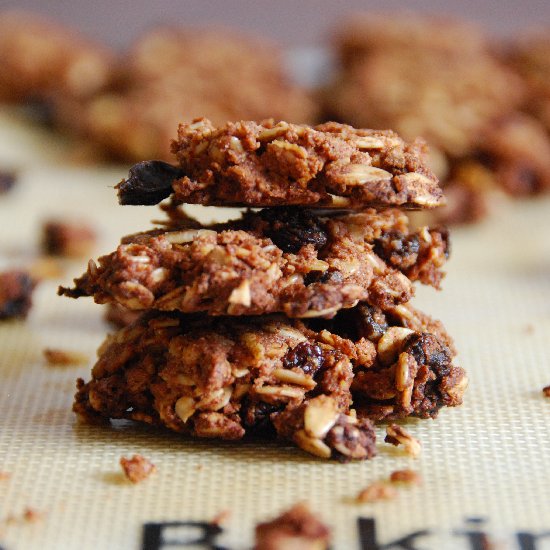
<point x="31" y="515"/>
<point x="222" y="517"/>
<point x="406" y="476"/>
<point x="378" y="490"/>
<point x="62" y="358"/>
<point x="296" y="528"/>
<point x="546" y="391"/>
<point x="396" y="435"/>
<point x="4" y="475"/>
<point x="67" y="238"/>
<point x="16" y="289"/>
<point x="137" y="468"/>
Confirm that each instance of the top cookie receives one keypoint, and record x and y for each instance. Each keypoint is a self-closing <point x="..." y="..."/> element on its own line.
<point x="270" y="164"/>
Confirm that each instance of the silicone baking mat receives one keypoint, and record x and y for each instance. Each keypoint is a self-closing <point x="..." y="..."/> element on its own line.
<point x="485" y="465"/>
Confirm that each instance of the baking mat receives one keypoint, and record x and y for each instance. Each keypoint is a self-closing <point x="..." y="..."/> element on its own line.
<point x="485" y="465"/>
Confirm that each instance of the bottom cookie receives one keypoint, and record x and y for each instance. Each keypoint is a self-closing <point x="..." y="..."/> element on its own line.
<point x="225" y="377"/>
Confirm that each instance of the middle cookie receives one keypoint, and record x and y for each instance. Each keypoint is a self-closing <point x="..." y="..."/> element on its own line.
<point x="278" y="260"/>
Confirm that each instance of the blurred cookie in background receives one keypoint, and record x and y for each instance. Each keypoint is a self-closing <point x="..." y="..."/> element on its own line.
<point x="172" y="75"/>
<point x="40" y="59"/>
<point x="441" y="80"/>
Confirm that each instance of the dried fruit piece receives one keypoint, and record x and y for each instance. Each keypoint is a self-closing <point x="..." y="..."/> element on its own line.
<point x="148" y="182"/>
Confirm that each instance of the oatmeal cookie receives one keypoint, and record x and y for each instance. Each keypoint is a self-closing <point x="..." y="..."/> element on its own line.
<point x="267" y="164"/>
<point x="529" y="55"/>
<point x="447" y="99"/>
<point x="364" y="33"/>
<point x="277" y="260"/>
<point x="516" y="151"/>
<point x="39" y="58"/>
<point x="217" y="378"/>
<point x="175" y="74"/>
<point x="221" y="378"/>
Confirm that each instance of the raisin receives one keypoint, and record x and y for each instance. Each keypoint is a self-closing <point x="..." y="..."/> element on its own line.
<point x="352" y="441"/>
<point x="398" y="249"/>
<point x="306" y="356"/>
<point x="291" y="229"/>
<point x="148" y="182"/>
<point x="371" y="322"/>
<point x="324" y="277"/>
<point x="256" y="416"/>
<point x="428" y="350"/>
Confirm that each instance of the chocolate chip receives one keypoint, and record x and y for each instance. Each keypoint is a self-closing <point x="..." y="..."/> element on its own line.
<point x="291" y="229"/>
<point x="148" y="182"/>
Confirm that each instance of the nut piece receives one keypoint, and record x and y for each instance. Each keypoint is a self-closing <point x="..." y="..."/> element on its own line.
<point x="296" y="528"/>
<point x="185" y="407"/>
<point x="406" y="476"/>
<point x="312" y="445"/>
<point x="396" y="435"/>
<point x="359" y="174"/>
<point x="137" y="468"/>
<point x="186" y="236"/>
<point x="376" y="491"/>
<point x="390" y="344"/>
<point x="320" y="416"/>
<point x="63" y="358"/>
<point x="241" y="295"/>
<point x="292" y="377"/>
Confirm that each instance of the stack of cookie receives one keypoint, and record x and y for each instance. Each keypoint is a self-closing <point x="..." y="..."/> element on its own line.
<point x="292" y="321"/>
